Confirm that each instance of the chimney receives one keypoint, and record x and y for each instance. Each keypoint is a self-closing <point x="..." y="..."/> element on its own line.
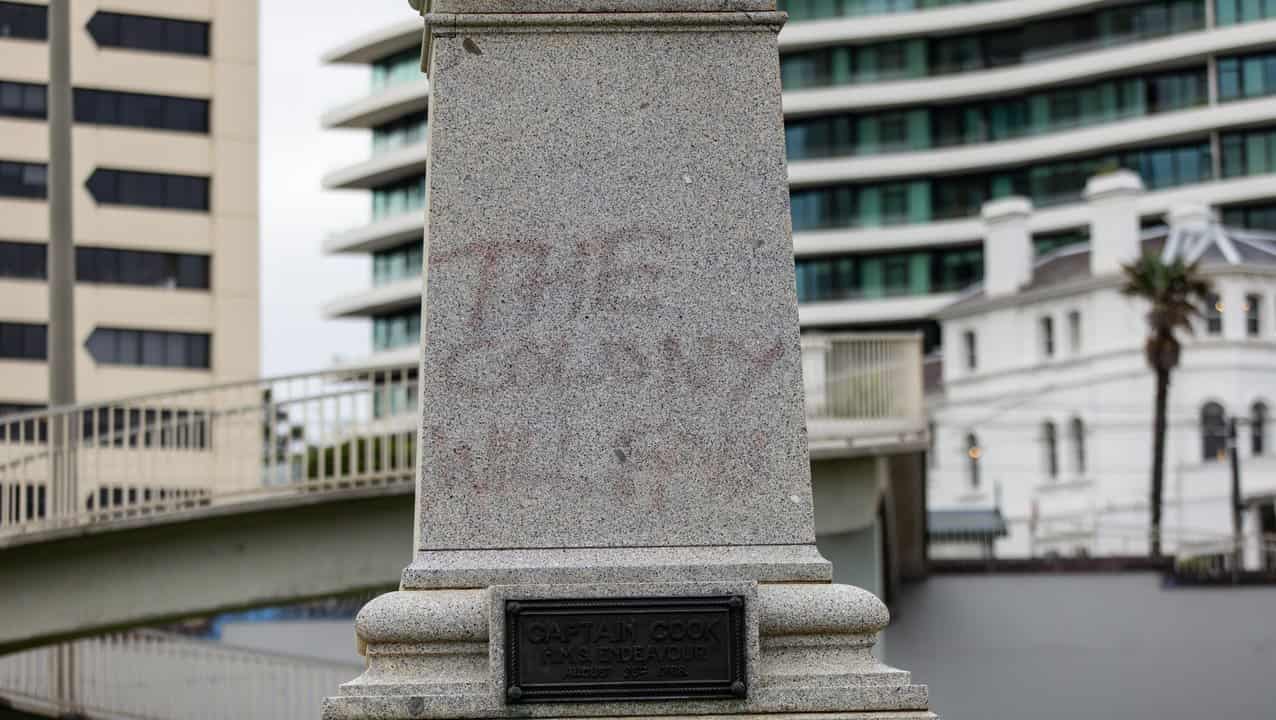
<point x="1113" y="200"/>
<point x="1007" y="246"/>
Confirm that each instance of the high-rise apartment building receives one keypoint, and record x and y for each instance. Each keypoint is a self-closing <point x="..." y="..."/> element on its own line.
<point x="902" y="118"/>
<point x="164" y="196"/>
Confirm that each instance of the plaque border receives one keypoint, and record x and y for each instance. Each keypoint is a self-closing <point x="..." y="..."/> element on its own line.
<point x="736" y="687"/>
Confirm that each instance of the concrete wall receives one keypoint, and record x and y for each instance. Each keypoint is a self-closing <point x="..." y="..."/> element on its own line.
<point x="1062" y="647"/>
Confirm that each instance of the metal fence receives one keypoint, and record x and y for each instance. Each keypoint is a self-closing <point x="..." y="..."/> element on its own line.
<point x="319" y="432"/>
<point x="235" y="442"/>
<point x="855" y="376"/>
<point x="147" y="674"/>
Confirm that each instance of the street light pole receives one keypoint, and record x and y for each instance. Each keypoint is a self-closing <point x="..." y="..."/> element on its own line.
<point x="61" y="272"/>
<point x="1233" y="450"/>
<point x="61" y="254"/>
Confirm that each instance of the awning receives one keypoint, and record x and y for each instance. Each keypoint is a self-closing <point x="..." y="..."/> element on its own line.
<point x="965" y="525"/>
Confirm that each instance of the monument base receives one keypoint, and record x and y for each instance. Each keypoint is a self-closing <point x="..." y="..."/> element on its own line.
<point x="441" y="654"/>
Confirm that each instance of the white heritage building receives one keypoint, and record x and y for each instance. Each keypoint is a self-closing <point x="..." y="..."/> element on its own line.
<point x="1045" y="412"/>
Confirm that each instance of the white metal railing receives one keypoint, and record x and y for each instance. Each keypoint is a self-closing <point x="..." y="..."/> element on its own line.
<point x="325" y="431"/>
<point x="151" y="455"/>
<point x="856" y="376"/>
<point x="148" y="674"/>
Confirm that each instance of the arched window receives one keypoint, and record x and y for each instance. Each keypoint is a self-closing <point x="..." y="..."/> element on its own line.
<point x="1213" y="432"/>
<point x="1258" y="428"/>
<point x="1050" y="445"/>
<point x="1078" y="444"/>
<point x="973" y="454"/>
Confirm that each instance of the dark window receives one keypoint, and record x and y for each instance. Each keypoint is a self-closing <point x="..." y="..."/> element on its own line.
<point x="22" y="260"/>
<point x="1078" y="444"/>
<point x="20" y="20"/>
<point x="160" y="112"/>
<point x="23" y="179"/>
<point x="1253" y="315"/>
<point x="151" y="348"/>
<point x="1050" y="448"/>
<point x="1213" y="314"/>
<point x="139" y="267"/>
<point x="1213" y="432"/>
<point x="23" y="100"/>
<point x="972" y="354"/>
<point x="23" y="341"/>
<point x="973" y="454"/>
<point x="140" y="32"/>
<point x="1074" y="331"/>
<point x="1047" y="336"/>
<point x="147" y="189"/>
<point x="1258" y="428"/>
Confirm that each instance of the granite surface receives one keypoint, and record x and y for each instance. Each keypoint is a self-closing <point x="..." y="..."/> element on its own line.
<point x="481" y="568"/>
<point x="611" y="348"/>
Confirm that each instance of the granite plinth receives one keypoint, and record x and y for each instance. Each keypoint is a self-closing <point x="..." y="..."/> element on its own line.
<point x="611" y="345"/>
<point x="810" y="644"/>
<point x="483" y="568"/>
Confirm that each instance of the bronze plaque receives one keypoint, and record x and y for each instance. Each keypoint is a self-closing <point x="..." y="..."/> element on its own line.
<point x="624" y="649"/>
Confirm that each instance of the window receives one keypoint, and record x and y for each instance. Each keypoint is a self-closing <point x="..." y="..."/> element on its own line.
<point x="23" y="341"/>
<point x="972" y="357"/>
<point x="1213" y="314"/>
<point x="1074" y="332"/>
<point x="974" y="454"/>
<point x="160" y="112"/>
<point x="1078" y="445"/>
<point x="930" y="444"/>
<point x="1031" y="42"/>
<point x="396" y="330"/>
<point x="153" y="34"/>
<point x="23" y="179"/>
<point x="403" y="66"/>
<point x="1246" y="76"/>
<point x="24" y="21"/>
<point x="398" y="263"/>
<point x="399" y="197"/>
<point x="921" y="200"/>
<point x="1050" y="448"/>
<point x="23" y="260"/>
<point x="148" y="189"/>
<point x="137" y="267"/>
<point x="22" y="100"/>
<point x="1253" y="315"/>
<point x="1258" y="428"/>
<point x="407" y="130"/>
<point x="1213" y="432"/>
<point x="1253" y="217"/>
<point x="1047" y="337"/>
<point x="151" y="348"/>
<point x="1045" y="243"/>
<point x="1251" y="152"/>
<point x="1231" y="12"/>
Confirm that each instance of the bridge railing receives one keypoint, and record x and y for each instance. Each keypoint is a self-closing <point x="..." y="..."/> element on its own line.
<point x="148" y="674"/>
<point x="233" y="442"/>
<point x="329" y="431"/>
<point x="863" y="377"/>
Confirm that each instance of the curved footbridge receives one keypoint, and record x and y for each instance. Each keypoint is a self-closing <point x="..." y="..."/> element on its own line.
<point x="143" y="510"/>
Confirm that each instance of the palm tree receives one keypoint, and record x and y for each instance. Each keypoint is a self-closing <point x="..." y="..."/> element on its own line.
<point x="1175" y="291"/>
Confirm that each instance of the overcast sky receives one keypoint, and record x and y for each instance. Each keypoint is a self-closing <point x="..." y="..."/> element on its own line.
<point x="296" y="279"/>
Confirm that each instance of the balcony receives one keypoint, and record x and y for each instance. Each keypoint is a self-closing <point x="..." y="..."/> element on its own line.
<point x="863" y="394"/>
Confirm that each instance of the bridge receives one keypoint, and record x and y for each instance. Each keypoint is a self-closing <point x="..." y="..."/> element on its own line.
<point x="144" y="510"/>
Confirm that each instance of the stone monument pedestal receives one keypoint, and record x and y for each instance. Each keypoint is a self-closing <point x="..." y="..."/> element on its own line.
<point x="614" y="504"/>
